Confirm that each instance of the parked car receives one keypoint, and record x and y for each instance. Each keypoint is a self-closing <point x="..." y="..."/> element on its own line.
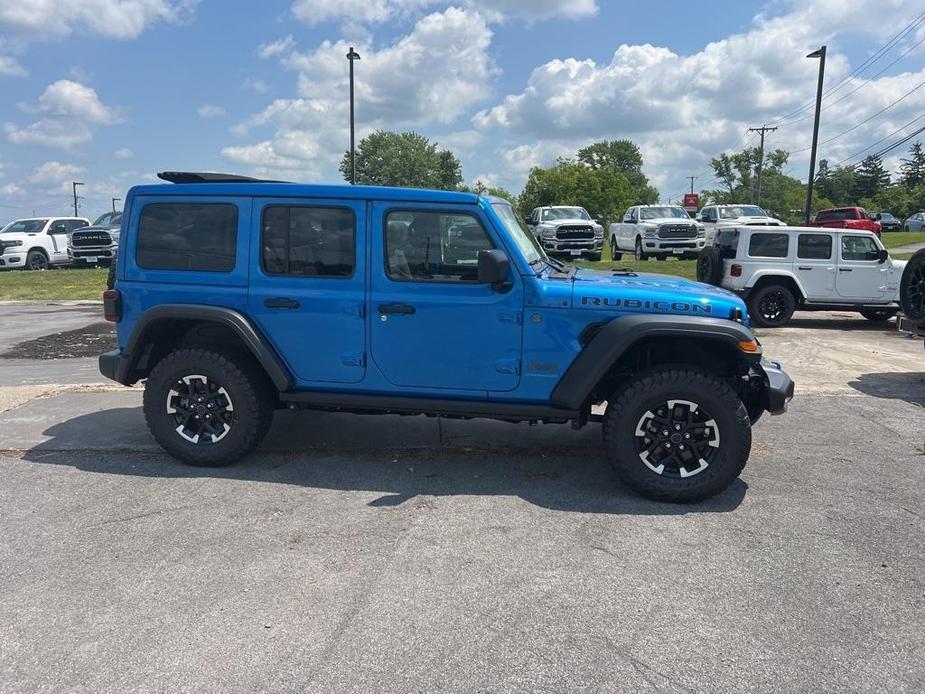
<point x="915" y="222"/>
<point x="567" y="231"/>
<point x="345" y="298"/>
<point x="912" y="295"/>
<point x="656" y="231"/>
<point x="846" y="218"/>
<point x="97" y="243"/>
<point x="887" y="221"/>
<point x="37" y="243"/>
<point x="715" y="217"/>
<point x="801" y="269"/>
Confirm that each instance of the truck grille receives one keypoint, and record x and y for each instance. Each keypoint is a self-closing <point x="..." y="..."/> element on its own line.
<point x="575" y="232"/>
<point x="677" y="231"/>
<point x="81" y="239"/>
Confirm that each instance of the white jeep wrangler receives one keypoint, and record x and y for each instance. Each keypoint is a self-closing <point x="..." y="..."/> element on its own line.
<point x="791" y="269"/>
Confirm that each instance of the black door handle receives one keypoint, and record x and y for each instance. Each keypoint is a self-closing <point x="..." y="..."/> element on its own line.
<point x="396" y="308"/>
<point x="803" y="267"/>
<point x="844" y="269"/>
<point x="281" y="302"/>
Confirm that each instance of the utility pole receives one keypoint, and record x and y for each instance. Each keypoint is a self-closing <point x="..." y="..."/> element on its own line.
<point x="74" y="185"/>
<point x="351" y="56"/>
<point x="763" y="129"/>
<point x="807" y="212"/>
<point x="692" y="181"/>
<point x="114" y="201"/>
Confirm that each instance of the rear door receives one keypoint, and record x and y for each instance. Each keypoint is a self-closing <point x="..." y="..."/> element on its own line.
<point x="307" y="285"/>
<point x="815" y="265"/>
<point x="861" y="276"/>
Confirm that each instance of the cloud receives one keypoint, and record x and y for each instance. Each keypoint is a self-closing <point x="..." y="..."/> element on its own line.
<point x="313" y="12"/>
<point x="55" y="172"/>
<point x="49" y="133"/>
<point x="278" y="47"/>
<point x="434" y="74"/>
<point x="117" y="19"/>
<point x="210" y="111"/>
<point x="123" y="153"/>
<point x="256" y="85"/>
<point x="10" y="67"/>
<point x="72" y="99"/>
<point x="11" y="189"/>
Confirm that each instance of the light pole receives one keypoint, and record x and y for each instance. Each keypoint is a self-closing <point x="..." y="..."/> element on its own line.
<point x="114" y="200"/>
<point x="812" y="155"/>
<point x="351" y="56"/>
<point x="74" y="185"/>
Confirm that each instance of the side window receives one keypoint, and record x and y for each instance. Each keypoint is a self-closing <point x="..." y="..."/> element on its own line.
<point x="814" y="246"/>
<point x="634" y="214"/>
<point x="859" y="248"/>
<point x="187" y="236"/>
<point x="308" y="241"/>
<point x="59" y="226"/>
<point x="768" y="245"/>
<point x="433" y="246"/>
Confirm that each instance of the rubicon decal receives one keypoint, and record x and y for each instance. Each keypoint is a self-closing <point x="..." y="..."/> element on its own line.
<point x="655" y="304"/>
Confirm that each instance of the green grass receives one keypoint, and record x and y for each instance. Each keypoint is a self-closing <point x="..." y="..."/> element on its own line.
<point x="892" y="239"/>
<point x="52" y="285"/>
<point x="671" y="266"/>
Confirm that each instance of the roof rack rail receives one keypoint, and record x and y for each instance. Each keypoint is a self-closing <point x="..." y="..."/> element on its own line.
<point x="196" y="177"/>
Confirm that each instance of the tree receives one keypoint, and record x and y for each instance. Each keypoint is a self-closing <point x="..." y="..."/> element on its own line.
<point x="870" y="177"/>
<point x="912" y="169"/>
<point x="604" y="193"/>
<point x="621" y="157"/>
<point x="738" y="173"/>
<point x="482" y="188"/>
<point x="823" y="185"/>
<point x="407" y="159"/>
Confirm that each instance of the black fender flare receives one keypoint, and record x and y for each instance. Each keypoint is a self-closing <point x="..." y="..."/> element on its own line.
<point x="620" y="334"/>
<point x="258" y="345"/>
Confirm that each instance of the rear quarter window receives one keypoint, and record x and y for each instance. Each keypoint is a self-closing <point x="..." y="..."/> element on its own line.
<point x="728" y="242"/>
<point x="769" y="245"/>
<point x="187" y="236"/>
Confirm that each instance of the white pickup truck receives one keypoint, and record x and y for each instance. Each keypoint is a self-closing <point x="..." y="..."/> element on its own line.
<point x="715" y="217"/>
<point x="656" y="231"/>
<point x="38" y="243"/>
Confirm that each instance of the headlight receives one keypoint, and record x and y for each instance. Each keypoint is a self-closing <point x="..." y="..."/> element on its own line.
<point x="548" y="232"/>
<point x="649" y="231"/>
<point x="701" y="231"/>
<point x="599" y="231"/>
<point x="10" y="244"/>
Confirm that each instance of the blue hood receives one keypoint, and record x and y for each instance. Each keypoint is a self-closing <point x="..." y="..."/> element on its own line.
<point x="645" y="293"/>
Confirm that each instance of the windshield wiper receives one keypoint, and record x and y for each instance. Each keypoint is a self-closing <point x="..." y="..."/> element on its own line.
<point x="624" y="272"/>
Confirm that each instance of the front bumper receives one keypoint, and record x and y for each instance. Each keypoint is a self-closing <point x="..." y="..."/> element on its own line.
<point x="778" y="386"/>
<point x="653" y="244"/>
<point x="12" y="260"/>
<point x="91" y="256"/>
<point x="572" y="248"/>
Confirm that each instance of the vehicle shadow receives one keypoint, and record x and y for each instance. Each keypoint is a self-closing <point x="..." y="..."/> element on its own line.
<point x="893" y="386"/>
<point x="558" y="477"/>
<point x="840" y="321"/>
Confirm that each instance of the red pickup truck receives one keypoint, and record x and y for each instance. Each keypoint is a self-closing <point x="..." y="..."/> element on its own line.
<point x="846" y="218"/>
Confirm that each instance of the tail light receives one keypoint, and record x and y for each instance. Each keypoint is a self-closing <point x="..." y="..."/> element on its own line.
<point x="112" y="305"/>
<point x="735" y="270"/>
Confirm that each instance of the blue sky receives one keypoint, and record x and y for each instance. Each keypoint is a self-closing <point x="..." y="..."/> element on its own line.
<point x="110" y="91"/>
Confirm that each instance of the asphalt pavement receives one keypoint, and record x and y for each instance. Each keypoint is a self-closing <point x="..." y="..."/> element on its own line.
<point x="406" y="554"/>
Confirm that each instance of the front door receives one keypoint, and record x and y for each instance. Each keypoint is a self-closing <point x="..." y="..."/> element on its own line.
<point x="815" y="265"/>
<point x="432" y="324"/>
<point x="307" y="286"/>
<point x="861" y="275"/>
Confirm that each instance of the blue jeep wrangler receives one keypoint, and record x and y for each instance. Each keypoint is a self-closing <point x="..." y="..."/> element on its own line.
<point x="234" y="297"/>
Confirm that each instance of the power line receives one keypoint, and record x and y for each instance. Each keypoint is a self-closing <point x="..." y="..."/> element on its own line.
<point x="886" y="137"/>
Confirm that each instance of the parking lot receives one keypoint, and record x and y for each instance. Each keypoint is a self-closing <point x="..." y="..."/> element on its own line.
<point x="410" y="554"/>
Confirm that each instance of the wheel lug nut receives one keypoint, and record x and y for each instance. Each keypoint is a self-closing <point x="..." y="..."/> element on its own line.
<point x="677" y="427"/>
<point x="687" y="436"/>
<point x="681" y="447"/>
<point x="667" y="445"/>
<point x="665" y="433"/>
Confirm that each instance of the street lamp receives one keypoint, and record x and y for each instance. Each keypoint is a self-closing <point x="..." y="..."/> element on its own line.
<point x="114" y="201"/>
<point x="74" y="185"/>
<point x="351" y="56"/>
<point x="807" y="211"/>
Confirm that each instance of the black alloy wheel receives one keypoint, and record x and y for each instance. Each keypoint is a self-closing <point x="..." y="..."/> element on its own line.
<point x="677" y="439"/>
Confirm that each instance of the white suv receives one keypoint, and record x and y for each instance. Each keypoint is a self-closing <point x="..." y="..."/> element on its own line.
<point x="791" y="269"/>
<point x="39" y="243"/>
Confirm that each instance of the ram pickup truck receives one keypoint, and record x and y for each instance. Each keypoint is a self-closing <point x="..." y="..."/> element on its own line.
<point x="96" y="244"/>
<point x="716" y="217"/>
<point x="567" y="231"/>
<point x="235" y="297"/>
<point x="656" y="231"/>
<point x="38" y="243"/>
<point x="846" y="218"/>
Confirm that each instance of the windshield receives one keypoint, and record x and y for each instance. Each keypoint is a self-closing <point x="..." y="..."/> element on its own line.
<point x="103" y="220"/>
<point x="741" y="211"/>
<point x="565" y="213"/>
<point x="662" y="212"/>
<point x="24" y="226"/>
<point x="887" y="216"/>
<point x="525" y="241"/>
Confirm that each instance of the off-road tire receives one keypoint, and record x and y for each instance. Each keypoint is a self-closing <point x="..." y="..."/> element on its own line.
<point x="879" y="315"/>
<point x="640" y="252"/>
<point x="594" y="257"/>
<point x="36" y="260"/>
<point x="662" y="257"/>
<point x="912" y="287"/>
<point x="111" y="275"/>
<point x="615" y="255"/>
<point x="710" y="266"/>
<point x="630" y="406"/>
<point x="772" y="306"/>
<point x="247" y="389"/>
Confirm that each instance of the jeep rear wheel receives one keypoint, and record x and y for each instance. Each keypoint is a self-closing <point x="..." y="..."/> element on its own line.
<point x="205" y="408"/>
<point x="710" y="266"/>
<point x="771" y="306"/>
<point x="677" y="435"/>
<point x="878" y="314"/>
<point x="912" y="287"/>
<point x="36" y="260"/>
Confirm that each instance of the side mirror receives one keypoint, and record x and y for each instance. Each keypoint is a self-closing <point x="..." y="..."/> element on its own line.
<point x="494" y="269"/>
<point x="883" y="256"/>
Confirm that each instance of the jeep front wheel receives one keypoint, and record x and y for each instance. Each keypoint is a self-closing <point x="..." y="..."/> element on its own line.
<point x="771" y="306"/>
<point x="205" y="408"/>
<point x="677" y="435"/>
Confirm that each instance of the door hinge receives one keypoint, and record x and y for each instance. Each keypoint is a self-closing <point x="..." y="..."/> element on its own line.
<point x="507" y="366"/>
<point x="354" y="359"/>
